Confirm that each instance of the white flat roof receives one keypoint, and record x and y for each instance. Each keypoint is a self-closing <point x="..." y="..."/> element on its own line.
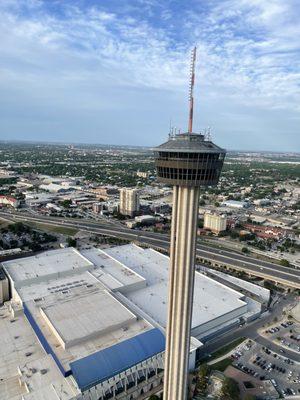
<point x="211" y="299"/>
<point x="81" y="312"/>
<point x="46" y="263"/>
<point x="55" y="285"/>
<point x="110" y="271"/>
<point x="77" y="317"/>
<point x="46" y="381"/>
<point x="20" y="348"/>
<point x="84" y="321"/>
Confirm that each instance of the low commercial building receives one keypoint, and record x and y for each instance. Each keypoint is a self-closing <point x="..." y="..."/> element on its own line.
<point x="262" y="202"/>
<point x="9" y="201"/>
<point x="235" y="204"/>
<point x="57" y="188"/>
<point x="100" y="316"/>
<point x="105" y="192"/>
<point x="142" y="174"/>
<point x="52" y="206"/>
<point x="145" y="219"/>
<point x="215" y="305"/>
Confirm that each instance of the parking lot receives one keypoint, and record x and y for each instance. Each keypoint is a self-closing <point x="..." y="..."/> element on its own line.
<point x="286" y="334"/>
<point x="261" y="363"/>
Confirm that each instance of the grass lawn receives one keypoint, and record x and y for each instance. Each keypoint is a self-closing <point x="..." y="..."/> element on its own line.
<point x="226" y="349"/>
<point x="221" y="365"/>
<point x="63" y="230"/>
<point x="222" y="351"/>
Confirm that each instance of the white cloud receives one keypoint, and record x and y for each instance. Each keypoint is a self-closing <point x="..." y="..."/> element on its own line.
<point x="248" y="53"/>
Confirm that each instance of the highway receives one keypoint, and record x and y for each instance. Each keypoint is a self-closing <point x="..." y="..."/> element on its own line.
<point x="274" y="272"/>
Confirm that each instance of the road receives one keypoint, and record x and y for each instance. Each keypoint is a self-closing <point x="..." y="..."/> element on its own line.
<point x="274" y="272"/>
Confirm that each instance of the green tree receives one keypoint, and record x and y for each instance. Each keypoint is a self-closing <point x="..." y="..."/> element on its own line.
<point x="284" y="262"/>
<point x="66" y="203"/>
<point x="245" y="250"/>
<point x="203" y="373"/>
<point x="71" y="242"/>
<point x="200" y="223"/>
<point x="230" y="390"/>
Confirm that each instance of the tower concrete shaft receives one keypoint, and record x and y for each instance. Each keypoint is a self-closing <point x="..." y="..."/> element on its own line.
<point x="181" y="290"/>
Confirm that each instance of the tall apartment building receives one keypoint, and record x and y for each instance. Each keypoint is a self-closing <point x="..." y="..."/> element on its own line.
<point x="129" y="201"/>
<point x="216" y="223"/>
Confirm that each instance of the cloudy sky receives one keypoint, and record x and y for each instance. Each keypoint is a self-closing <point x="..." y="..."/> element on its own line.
<point x="116" y="71"/>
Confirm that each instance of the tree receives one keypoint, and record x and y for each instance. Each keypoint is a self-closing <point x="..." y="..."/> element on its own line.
<point x="234" y="235"/>
<point x="245" y="250"/>
<point x="203" y="373"/>
<point x="284" y="262"/>
<point x="71" y="242"/>
<point x="200" y="223"/>
<point x="66" y="203"/>
<point x="19" y="228"/>
<point x="230" y="390"/>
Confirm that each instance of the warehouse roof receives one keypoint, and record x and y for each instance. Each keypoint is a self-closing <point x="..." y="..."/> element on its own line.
<point x="46" y="263"/>
<point x="211" y="298"/>
<point x="56" y="284"/>
<point x="109" y="362"/>
<point x="112" y="272"/>
<point x="77" y="318"/>
<point x="23" y="360"/>
<point x="80" y="321"/>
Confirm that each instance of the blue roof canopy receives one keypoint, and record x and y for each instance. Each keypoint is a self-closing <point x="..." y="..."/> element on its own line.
<point x="100" y="366"/>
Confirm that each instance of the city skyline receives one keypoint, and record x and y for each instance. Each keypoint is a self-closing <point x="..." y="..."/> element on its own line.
<point x="77" y="72"/>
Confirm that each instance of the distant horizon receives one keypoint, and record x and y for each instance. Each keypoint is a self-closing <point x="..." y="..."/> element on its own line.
<point x="66" y="143"/>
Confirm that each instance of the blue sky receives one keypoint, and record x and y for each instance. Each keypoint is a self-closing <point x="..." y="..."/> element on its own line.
<point x="116" y="71"/>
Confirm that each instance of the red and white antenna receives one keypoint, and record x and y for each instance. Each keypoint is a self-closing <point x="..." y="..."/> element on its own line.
<point x="191" y="89"/>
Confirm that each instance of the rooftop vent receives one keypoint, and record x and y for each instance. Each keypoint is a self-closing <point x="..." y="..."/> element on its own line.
<point x="44" y="371"/>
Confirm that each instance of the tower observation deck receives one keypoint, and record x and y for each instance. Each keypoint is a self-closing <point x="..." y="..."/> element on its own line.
<point x="187" y="161"/>
<point x="190" y="160"/>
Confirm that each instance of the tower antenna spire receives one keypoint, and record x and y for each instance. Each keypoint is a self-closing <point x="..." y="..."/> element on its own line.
<point x="191" y="89"/>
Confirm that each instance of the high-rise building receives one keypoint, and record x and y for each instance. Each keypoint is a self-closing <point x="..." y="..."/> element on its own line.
<point x="214" y="222"/>
<point x="187" y="161"/>
<point x="129" y="201"/>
